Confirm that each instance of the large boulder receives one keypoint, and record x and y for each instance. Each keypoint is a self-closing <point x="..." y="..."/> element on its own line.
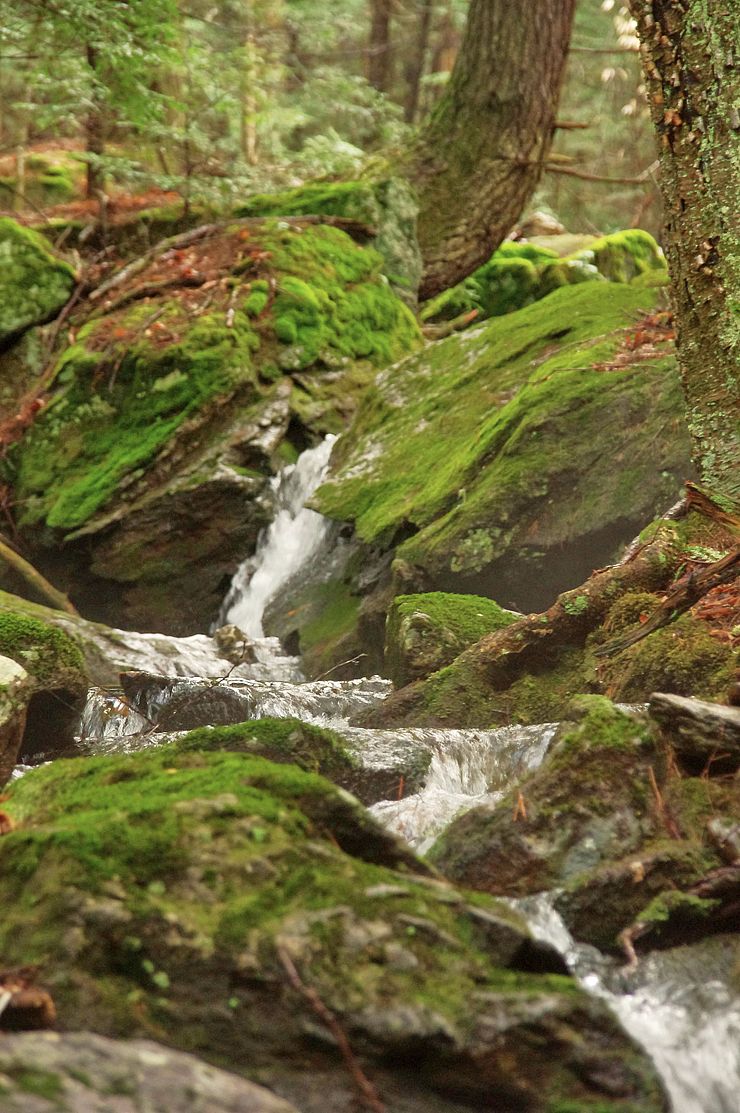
<point x="612" y="822"/>
<point x="253" y="912"/>
<point x="510" y="460"/>
<point x="34" y="282"/>
<point x="188" y="385"/>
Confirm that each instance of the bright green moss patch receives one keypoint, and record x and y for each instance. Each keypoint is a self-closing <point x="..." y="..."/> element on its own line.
<point x="148" y="373"/>
<point x="425" y="632"/>
<point x="518" y="274"/>
<point x="312" y="748"/>
<point x="44" y="651"/>
<point x="34" y="283"/>
<point x="508" y="440"/>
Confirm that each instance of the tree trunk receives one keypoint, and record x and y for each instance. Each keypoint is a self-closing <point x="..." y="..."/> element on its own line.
<point x="94" y="136"/>
<point x="379" y="46"/>
<point x="692" y="73"/>
<point x="480" y="157"/>
<point x="417" y="61"/>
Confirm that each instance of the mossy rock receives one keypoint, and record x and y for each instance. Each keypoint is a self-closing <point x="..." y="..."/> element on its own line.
<point x="34" y="282"/>
<point x="507" y="461"/>
<point x="59" y="681"/>
<point x="608" y="822"/>
<point x="16" y="688"/>
<point x="518" y="274"/>
<point x="192" y="893"/>
<point x="425" y="632"/>
<point x="387" y="205"/>
<point x="169" y="414"/>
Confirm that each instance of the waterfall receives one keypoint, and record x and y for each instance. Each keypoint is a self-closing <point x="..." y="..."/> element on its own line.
<point x="679" y="1004"/>
<point x="288" y="543"/>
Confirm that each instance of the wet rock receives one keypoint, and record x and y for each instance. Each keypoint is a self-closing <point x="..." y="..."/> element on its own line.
<point x="58" y="682"/>
<point x="251" y="890"/>
<point x="609" y="822"/>
<point x="45" y="1072"/>
<point x="201" y="408"/>
<point x="699" y="732"/>
<point x="15" y="692"/>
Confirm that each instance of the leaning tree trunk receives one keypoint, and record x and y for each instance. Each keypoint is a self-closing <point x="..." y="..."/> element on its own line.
<point x="691" y="57"/>
<point x="481" y="155"/>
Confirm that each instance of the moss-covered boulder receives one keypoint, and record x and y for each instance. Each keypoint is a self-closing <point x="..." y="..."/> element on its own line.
<point x="213" y="897"/>
<point x="511" y="460"/>
<point x="187" y="387"/>
<point x="518" y="274"/>
<point x="58" y="680"/>
<point x="384" y="205"/>
<point x="34" y="282"/>
<point x="610" y="821"/>
<point x="426" y="632"/>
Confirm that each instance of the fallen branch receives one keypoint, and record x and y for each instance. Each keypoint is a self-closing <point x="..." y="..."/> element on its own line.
<point x="366" y="1092"/>
<point x="641" y="179"/>
<point x="55" y="598"/>
<point x="355" y="228"/>
<point x="457" y="324"/>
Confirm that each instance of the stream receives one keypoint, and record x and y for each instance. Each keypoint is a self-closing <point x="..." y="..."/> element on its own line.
<point x="679" y="1004"/>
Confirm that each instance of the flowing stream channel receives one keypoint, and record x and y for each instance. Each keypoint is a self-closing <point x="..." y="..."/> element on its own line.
<point x="679" y="1004"/>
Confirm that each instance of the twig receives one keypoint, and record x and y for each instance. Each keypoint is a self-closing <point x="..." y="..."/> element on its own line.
<point x="151" y="290"/>
<point x="352" y="661"/>
<point x="641" y="179"/>
<point x="520" y="809"/>
<point x="665" y="816"/>
<point x="35" y="580"/>
<point x="366" y="1092"/>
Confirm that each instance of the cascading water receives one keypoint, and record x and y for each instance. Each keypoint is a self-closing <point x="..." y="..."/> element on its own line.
<point x="295" y="535"/>
<point x="679" y="1004"/>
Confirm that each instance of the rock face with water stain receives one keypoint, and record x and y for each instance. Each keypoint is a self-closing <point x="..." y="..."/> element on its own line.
<point x="615" y="822"/>
<point x="213" y="897"/>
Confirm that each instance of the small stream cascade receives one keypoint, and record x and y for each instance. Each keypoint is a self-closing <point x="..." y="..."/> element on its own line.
<point x="294" y="536"/>
<point x="679" y="1004"/>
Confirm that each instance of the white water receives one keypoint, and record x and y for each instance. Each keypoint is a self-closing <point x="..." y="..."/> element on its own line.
<point x="468" y="768"/>
<point x="296" y="534"/>
<point x="679" y="1004"/>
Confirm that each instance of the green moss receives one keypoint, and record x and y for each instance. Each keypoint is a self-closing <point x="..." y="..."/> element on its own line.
<point x="34" y="283"/>
<point x="518" y="274"/>
<point x="126" y="388"/>
<point x="485" y="443"/>
<point x="44" y="651"/>
<point x="672" y="902"/>
<point x="682" y="658"/>
<point x="426" y="632"/>
<point x="40" y="1083"/>
<point x="312" y="748"/>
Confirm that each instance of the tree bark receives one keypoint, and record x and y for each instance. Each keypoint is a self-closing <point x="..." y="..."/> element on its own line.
<point x="481" y="155"/>
<point x="417" y="61"/>
<point x="379" y="46"/>
<point x="94" y="136"/>
<point x="691" y="58"/>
